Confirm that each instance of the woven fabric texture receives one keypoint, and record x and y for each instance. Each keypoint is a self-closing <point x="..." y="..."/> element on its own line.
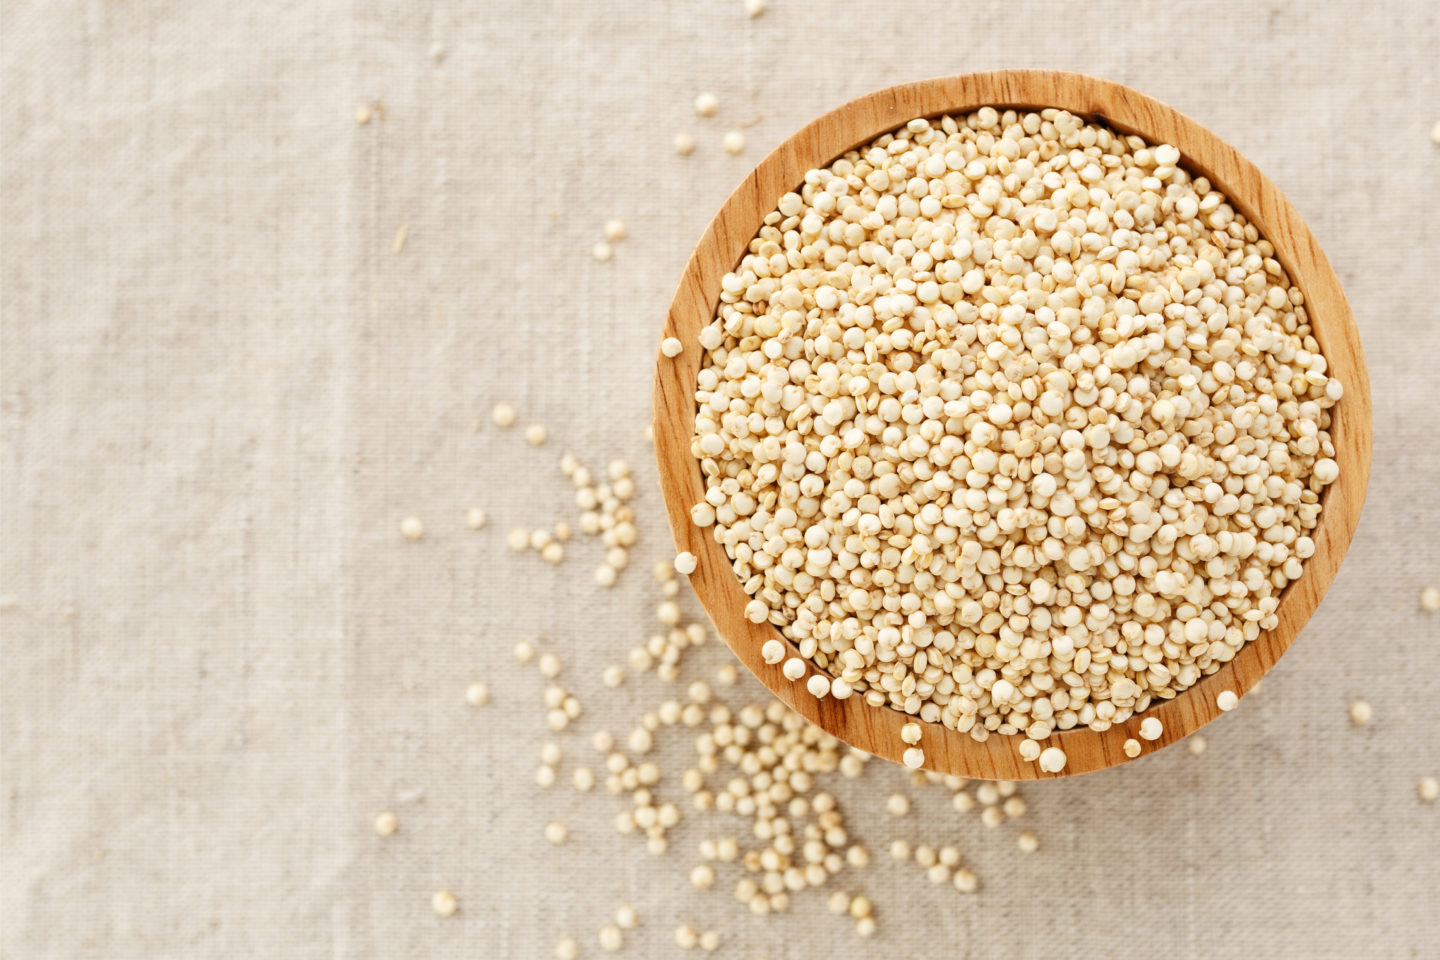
<point x="222" y="388"/>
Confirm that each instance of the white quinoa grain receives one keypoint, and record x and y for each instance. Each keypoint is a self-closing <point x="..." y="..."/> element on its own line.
<point x="614" y="230"/>
<point x="611" y="939"/>
<point x="503" y="415"/>
<point x="535" y="434"/>
<point x="1132" y="748"/>
<point x="684" y="144"/>
<point x="1361" y="713"/>
<point x="556" y="833"/>
<point x="567" y="949"/>
<point x="754" y="8"/>
<point x="706" y="104"/>
<point x="444" y="903"/>
<point x="386" y="823"/>
<point x="734" y="142"/>
<point x="1429" y="789"/>
<point x="1196" y="744"/>
<point x="685" y="563"/>
<point x="672" y="347"/>
<point x="475" y="518"/>
<point x="626" y="918"/>
<point x="1052" y="760"/>
<point x="602" y="252"/>
<point x="583" y="779"/>
<point x="1151" y="728"/>
<point x="411" y="528"/>
<point x="898" y="805"/>
<point x="477" y="694"/>
<point x="914" y="758"/>
<point x="1028" y="842"/>
<point x="1430" y="599"/>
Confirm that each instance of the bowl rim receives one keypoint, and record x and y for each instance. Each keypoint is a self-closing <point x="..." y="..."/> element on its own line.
<point x="875" y="729"/>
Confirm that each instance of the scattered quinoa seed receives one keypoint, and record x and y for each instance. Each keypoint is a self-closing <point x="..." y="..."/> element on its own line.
<point x="1227" y="700"/>
<point x="614" y="230"/>
<point x="1151" y="728"/>
<point x="567" y="949"/>
<point x="477" y="694"/>
<point x="1132" y="748"/>
<point x="706" y="104"/>
<point x="754" y="8"/>
<point x="1430" y="599"/>
<point x="685" y="564"/>
<point x="611" y="939"/>
<point x="734" y="142"/>
<point x="672" y="347"/>
<point x="914" y="757"/>
<point x="1052" y="760"/>
<point x="602" y="251"/>
<point x="1361" y="713"/>
<point x="444" y="903"/>
<point x="503" y="415"/>
<point x="362" y="115"/>
<point x="1196" y="744"/>
<point x="386" y="823"/>
<point x="535" y="434"/>
<point x="1429" y="789"/>
<point x="411" y="528"/>
<point x="1029" y="843"/>
<point x="475" y="518"/>
<point x="684" y="144"/>
<point x="556" y="833"/>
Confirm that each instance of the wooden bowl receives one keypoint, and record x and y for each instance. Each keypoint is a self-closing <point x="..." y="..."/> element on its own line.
<point x="877" y="729"/>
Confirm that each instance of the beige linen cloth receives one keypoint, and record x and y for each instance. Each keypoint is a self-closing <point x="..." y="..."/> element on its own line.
<point x="222" y="389"/>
